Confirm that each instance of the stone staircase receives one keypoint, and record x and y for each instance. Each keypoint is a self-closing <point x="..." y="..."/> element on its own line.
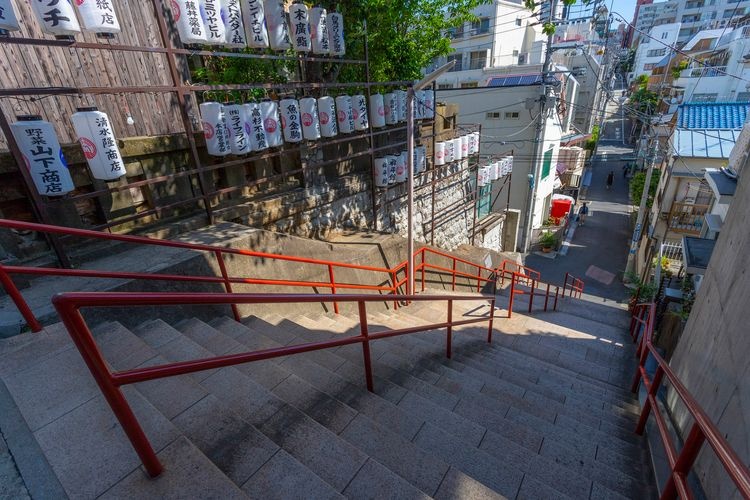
<point x="542" y="412"/>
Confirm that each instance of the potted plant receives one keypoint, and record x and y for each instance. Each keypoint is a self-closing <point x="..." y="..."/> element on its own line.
<point x="548" y="241"/>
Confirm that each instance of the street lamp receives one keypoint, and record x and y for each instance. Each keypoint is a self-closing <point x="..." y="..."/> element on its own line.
<point x="423" y="83"/>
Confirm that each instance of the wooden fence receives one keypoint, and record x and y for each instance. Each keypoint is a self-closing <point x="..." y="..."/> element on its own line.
<point x="35" y="66"/>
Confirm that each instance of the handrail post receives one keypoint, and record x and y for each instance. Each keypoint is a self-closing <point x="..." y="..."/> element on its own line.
<point x="685" y="460"/>
<point x="227" y="284"/>
<point x="565" y="284"/>
<point x="333" y="287"/>
<point x="449" y="335"/>
<point x="479" y="279"/>
<point x="395" y="289"/>
<point x="84" y="341"/>
<point x="512" y="294"/>
<point x="492" y="318"/>
<point x="454" y="274"/>
<point x="580" y="292"/>
<point x="23" y="307"/>
<point x="365" y="344"/>
<point x="655" y="384"/>
<point x="502" y="276"/>
<point x="546" y="298"/>
<point x="557" y="292"/>
<point x="423" y="259"/>
<point x="531" y="295"/>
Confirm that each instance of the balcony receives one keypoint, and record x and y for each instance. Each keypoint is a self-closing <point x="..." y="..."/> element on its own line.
<point x="478" y="63"/>
<point x="687" y="218"/>
<point x="705" y="72"/>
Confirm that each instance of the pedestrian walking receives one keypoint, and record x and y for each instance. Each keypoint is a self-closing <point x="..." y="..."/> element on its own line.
<point x="582" y="213"/>
<point x="610" y="179"/>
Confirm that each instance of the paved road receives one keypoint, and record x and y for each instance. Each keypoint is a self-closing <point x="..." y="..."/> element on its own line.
<point x="598" y="250"/>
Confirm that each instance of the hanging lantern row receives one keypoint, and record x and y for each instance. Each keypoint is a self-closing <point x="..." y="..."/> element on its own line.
<point x="393" y="169"/>
<point x="58" y="17"/>
<point x="259" y="24"/>
<point x="242" y="128"/>
<point x="494" y="171"/>
<point x="456" y="149"/>
<point x="44" y="158"/>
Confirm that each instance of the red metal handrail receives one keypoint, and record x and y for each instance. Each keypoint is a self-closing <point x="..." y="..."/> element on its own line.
<point x="575" y="286"/>
<point x="534" y="285"/>
<point x="68" y="306"/>
<point x="702" y="430"/>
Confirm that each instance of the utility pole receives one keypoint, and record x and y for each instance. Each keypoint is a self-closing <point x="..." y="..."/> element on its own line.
<point x="634" y="243"/>
<point x="539" y="136"/>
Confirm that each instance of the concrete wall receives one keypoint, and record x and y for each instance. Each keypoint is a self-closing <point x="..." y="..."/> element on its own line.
<point x="711" y="357"/>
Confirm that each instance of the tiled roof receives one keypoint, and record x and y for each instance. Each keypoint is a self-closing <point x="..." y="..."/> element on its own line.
<point x="515" y="80"/>
<point x="705" y="143"/>
<point x="712" y="115"/>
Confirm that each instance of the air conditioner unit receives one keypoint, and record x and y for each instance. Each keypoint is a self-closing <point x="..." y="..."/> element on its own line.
<point x="523" y="58"/>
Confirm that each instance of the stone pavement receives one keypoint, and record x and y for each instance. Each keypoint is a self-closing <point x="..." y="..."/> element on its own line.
<point x="598" y="250"/>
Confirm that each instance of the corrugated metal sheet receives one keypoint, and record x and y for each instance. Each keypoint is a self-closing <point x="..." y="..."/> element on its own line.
<point x="705" y="143"/>
<point x="515" y="80"/>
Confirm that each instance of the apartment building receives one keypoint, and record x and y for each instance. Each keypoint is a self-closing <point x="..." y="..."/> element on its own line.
<point x="654" y="49"/>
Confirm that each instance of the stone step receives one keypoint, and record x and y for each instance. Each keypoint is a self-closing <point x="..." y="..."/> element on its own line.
<point x="379" y="442"/>
<point x="321" y="451"/>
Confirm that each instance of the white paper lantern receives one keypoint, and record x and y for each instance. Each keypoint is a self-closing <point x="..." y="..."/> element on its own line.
<point x="327" y="115"/>
<point x="381" y="171"/>
<point x="189" y="20"/>
<point x="319" y="31"/>
<point x="345" y="114"/>
<point x="510" y="164"/>
<point x="465" y="146"/>
<point x="215" y="129"/>
<point x="235" y="118"/>
<point x="98" y="16"/>
<point x="494" y="170"/>
<point x="8" y="17"/>
<point x="336" y="33"/>
<point x="457" y="151"/>
<point x="216" y="33"/>
<point x="56" y="17"/>
<point x="310" y="121"/>
<point x="440" y="153"/>
<point x="392" y="161"/>
<point x="276" y="23"/>
<point x="231" y="13"/>
<point x="254" y="127"/>
<point x="291" y="121"/>
<point x="478" y="141"/>
<point x="450" y="151"/>
<point x="271" y="122"/>
<point x="401" y="166"/>
<point x="419" y="105"/>
<point x="97" y="139"/>
<point x="390" y="103"/>
<point x="471" y="144"/>
<point x="299" y="27"/>
<point x="429" y="103"/>
<point x="359" y="109"/>
<point x="256" y="34"/>
<point x="43" y="156"/>
<point x="420" y="159"/>
<point x="377" y="111"/>
<point x="402" y="105"/>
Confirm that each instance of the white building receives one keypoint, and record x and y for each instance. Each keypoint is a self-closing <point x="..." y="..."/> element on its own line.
<point x="650" y="15"/>
<point x="654" y="48"/>
<point x="716" y="79"/>
<point x="505" y="34"/>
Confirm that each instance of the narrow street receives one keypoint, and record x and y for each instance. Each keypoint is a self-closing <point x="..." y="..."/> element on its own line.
<point x="598" y="250"/>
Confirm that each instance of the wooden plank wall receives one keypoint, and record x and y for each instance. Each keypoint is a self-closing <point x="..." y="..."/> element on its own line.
<point x="30" y="66"/>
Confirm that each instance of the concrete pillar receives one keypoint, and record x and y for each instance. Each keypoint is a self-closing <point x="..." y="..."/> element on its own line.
<point x="510" y="230"/>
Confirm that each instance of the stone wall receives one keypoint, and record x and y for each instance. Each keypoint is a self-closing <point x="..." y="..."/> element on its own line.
<point x="711" y="356"/>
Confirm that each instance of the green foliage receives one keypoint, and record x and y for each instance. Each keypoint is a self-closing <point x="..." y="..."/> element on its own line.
<point x="591" y="142"/>
<point x="638" y="181"/>
<point x="626" y="64"/>
<point x="644" y="292"/>
<point x="681" y="66"/>
<point x="548" y="239"/>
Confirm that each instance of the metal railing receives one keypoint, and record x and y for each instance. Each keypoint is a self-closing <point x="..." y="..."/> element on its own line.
<point x="573" y="285"/>
<point x="703" y="429"/>
<point x="68" y="306"/>
<point x="687" y="217"/>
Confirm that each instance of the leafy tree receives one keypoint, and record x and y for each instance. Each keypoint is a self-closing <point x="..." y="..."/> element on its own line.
<point x="643" y="99"/>
<point x="637" y="184"/>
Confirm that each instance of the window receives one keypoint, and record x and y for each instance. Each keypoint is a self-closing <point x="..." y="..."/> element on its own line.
<point x="469" y="85"/>
<point x="691" y="18"/>
<point x="704" y="98"/>
<point x="515" y="53"/>
<point x="546" y="164"/>
<point x="743" y="96"/>
<point x="694" y="4"/>
<point x="444" y="86"/>
<point x="493" y="115"/>
<point x="664" y="35"/>
<point x="728" y="13"/>
<point x="478" y="59"/>
<point x="456" y="32"/>
<point x="481" y="26"/>
<point x="656" y="52"/>
<point x="648" y="67"/>
<point x="511" y="115"/>
<point x="459" y="59"/>
<point x="484" y="200"/>
<point x="518" y="21"/>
